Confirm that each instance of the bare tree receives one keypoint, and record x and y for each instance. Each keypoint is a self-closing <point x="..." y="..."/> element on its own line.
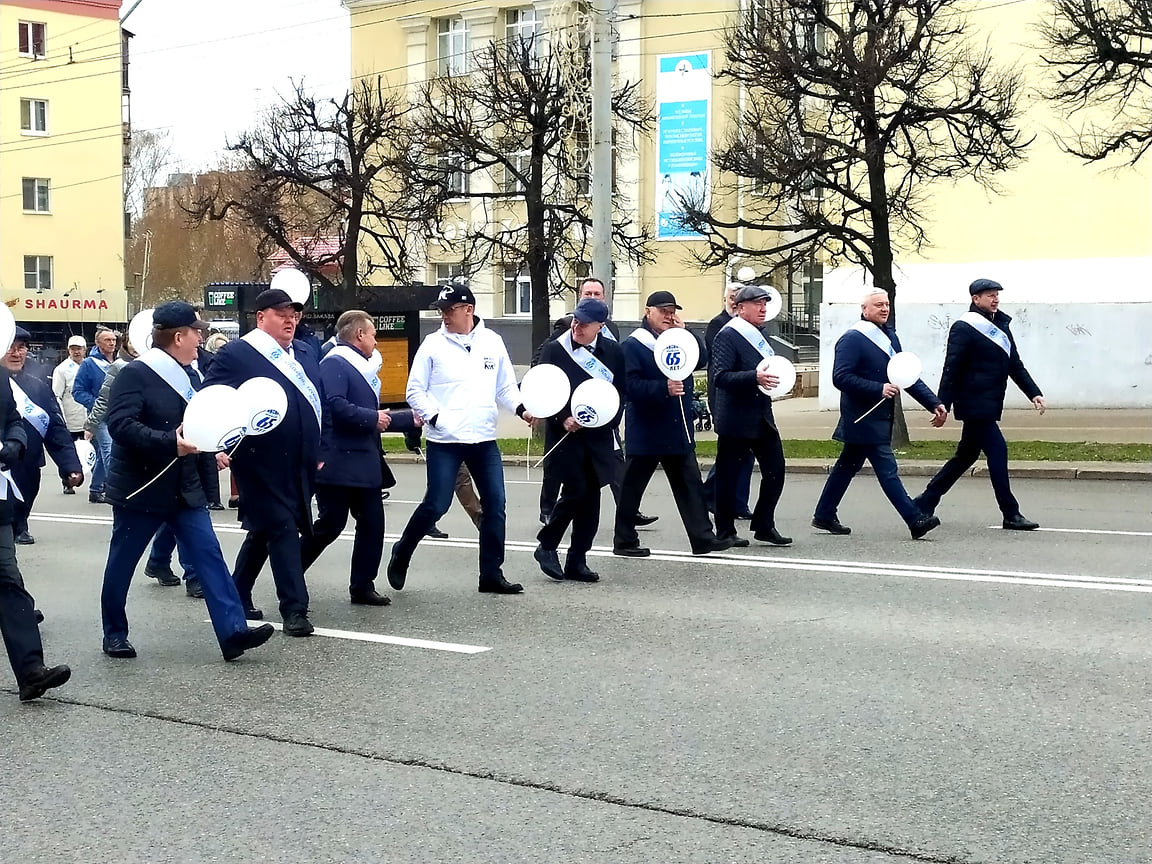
<point x="149" y="156"/>
<point x="322" y="183"/>
<point x="495" y="177"/>
<point x="1101" y="54"/>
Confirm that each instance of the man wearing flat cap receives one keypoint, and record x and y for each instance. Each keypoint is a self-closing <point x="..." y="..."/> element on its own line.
<point x="657" y="435"/>
<point x="588" y="458"/>
<point x="155" y="480"/>
<point x="980" y="358"/>
<point x="275" y="472"/>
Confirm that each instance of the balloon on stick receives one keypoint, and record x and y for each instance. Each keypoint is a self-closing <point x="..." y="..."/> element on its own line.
<point x="677" y="352"/>
<point x="215" y="419"/>
<point x="904" y="369"/>
<point x="140" y="330"/>
<point x="783" y="369"/>
<point x="265" y="404"/>
<point x="86" y="453"/>
<point x="595" y="403"/>
<point x="545" y="390"/>
<point x="293" y="282"/>
<point x="7" y="328"/>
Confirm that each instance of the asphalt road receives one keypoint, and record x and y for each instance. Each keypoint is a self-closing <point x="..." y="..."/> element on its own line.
<point x="979" y="696"/>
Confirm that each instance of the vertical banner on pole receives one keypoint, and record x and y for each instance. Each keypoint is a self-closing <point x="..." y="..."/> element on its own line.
<point x="684" y="116"/>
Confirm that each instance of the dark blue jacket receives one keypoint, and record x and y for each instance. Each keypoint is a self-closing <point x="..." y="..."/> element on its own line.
<point x="976" y="371"/>
<point x="738" y="406"/>
<point x="274" y="472"/>
<point x="11" y="429"/>
<point x="860" y="372"/>
<point x="89" y="379"/>
<point x="350" y="450"/>
<point x="58" y="442"/>
<point x="653" y="422"/>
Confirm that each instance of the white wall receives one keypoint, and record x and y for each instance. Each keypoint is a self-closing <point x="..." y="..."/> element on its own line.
<point x="1081" y="355"/>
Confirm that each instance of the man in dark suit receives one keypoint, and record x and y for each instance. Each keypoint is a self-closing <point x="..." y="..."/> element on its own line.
<point x="980" y="358"/>
<point x="155" y="479"/>
<point x="587" y="459"/>
<point x="275" y="472"/>
<point x="351" y="472"/>
<point x="658" y="437"/>
<point x="860" y="373"/>
<point x="45" y="430"/>
<point x="744" y="483"/>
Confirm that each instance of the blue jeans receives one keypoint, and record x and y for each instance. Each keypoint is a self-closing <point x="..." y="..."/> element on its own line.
<point x="102" y="442"/>
<point x="443" y="462"/>
<point x="851" y="461"/>
<point x="131" y="531"/>
<point x="976" y="436"/>
<point x="161" y="555"/>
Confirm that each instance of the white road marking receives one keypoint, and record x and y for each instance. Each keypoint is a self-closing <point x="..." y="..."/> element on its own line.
<point x="1088" y="531"/>
<point x="386" y="640"/>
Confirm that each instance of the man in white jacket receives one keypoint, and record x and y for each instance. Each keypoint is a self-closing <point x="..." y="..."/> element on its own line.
<point x="460" y="378"/>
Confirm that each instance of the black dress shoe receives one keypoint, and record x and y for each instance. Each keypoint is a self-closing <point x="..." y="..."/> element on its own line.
<point x="580" y="573"/>
<point x="68" y="490"/>
<point x="436" y="534"/>
<point x="737" y="542"/>
<point x="369" y="597"/>
<point x="385" y="494"/>
<point x="832" y="526"/>
<point x="163" y="575"/>
<point x="233" y="503"/>
<point x="642" y="520"/>
<point x="549" y="562"/>
<point x="24" y="538"/>
<point x="216" y="505"/>
<point x="119" y="647"/>
<point x="297" y="624"/>
<point x="923" y="525"/>
<point x="238" y="643"/>
<point x="745" y="516"/>
<point x="922" y="507"/>
<point x="772" y="536"/>
<point x="500" y="585"/>
<point x="716" y="544"/>
<point x="251" y="613"/>
<point x="1019" y="523"/>
<point x="397" y="572"/>
<point x="636" y="551"/>
<point x="39" y="616"/>
<point x="193" y="588"/>
<point x="42" y="679"/>
<point x="96" y="498"/>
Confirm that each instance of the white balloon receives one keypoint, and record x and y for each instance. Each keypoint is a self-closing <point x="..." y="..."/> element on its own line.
<point x="595" y="403"/>
<point x="677" y="353"/>
<point x="265" y="404"/>
<point x="745" y="274"/>
<point x="7" y="328"/>
<point x="774" y="305"/>
<point x="783" y="369"/>
<point x="140" y="330"/>
<point x="294" y="282"/>
<point x="87" y="455"/>
<point x="215" y="418"/>
<point x="545" y="390"/>
<point x="904" y="369"/>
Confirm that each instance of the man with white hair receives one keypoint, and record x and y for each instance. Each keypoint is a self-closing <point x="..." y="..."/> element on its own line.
<point x="860" y="374"/>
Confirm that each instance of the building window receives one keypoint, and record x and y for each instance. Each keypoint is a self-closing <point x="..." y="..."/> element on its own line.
<point x="34" y="116"/>
<point x="446" y="274"/>
<point x="451" y="167"/>
<point x="32" y="41"/>
<point x="523" y="31"/>
<point x="517" y="292"/>
<point x="452" y="45"/>
<point x="521" y="163"/>
<point x="36" y="195"/>
<point x="38" y="272"/>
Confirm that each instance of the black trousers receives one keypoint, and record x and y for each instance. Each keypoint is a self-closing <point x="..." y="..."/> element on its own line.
<point x="550" y="489"/>
<point x="683" y="473"/>
<point x="333" y="504"/>
<point x="578" y="506"/>
<point x="280" y="546"/>
<point x="976" y="436"/>
<point x="17" y="615"/>
<point x="29" y="483"/>
<point x="731" y="454"/>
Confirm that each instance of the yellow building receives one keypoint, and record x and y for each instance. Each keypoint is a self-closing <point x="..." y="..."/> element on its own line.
<point x="63" y="134"/>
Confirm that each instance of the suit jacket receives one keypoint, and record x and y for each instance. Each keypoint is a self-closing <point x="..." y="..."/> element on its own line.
<point x="58" y="441"/>
<point x="143" y="413"/>
<point x="860" y="372"/>
<point x="350" y="449"/>
<point x="274" y="472"/>
<point x="11" y="429"/>
<point x="562" y="326"/>
<point x="976" y="371"/>
<point x="653" y="422"/>
<point x="595" y="447"/>
<point x="738" y="406"/>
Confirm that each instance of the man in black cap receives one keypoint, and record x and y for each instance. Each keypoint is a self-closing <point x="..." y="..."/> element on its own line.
<point x="588" y="458"/>
<point x="743" y="419"/>
<point x="155" y="479"/>
<point x="45" y="430"/>
<point x="275" y="472"/>
<point x="744" y="483"/>
<point x="658" y="437"/>
<point x="980" y="358"/>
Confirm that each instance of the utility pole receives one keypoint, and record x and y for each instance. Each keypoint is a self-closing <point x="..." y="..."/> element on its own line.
<point x="603" y="14"/>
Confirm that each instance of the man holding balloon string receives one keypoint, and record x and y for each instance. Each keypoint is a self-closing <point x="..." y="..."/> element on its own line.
<point x="155" y="479"/>
<point x="871" y="366"/>
<point x="581" y="438"/>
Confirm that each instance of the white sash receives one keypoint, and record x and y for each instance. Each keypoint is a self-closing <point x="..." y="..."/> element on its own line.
<point x="644" y="336"/>
<point x="606" y="333"/>
<point x="979" y="323"/>
<point x="6" y="483"/>
<point x="876" y="336"/>
<point x="286" y="364"/>
<point x="585" y="359"/>
<point x="174" y="375"/>
<point x="752" y="334"/>
<point x="30" y="411"/>
<point x="367" y="367"/>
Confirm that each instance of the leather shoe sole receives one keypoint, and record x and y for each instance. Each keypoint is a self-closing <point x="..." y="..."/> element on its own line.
<point x="631" y="551"/>
<point x="240" y="642"/>
<point x="923" y="526"/>
<point x="832" y="526"/>
<point x="43" y="680"/>
<point x="397" y="573"/>
<point x="549" y="563"/>
<point x="369" y="598"/>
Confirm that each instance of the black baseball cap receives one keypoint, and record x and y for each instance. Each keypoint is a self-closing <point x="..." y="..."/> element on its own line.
<point x="450" y="295"/>
<point x="982" y="285"/>
<point x="177" y="313"/>
<point x="591" y="309"/>
<point x="22" y="335"/>
<point x="662" y="298"/>
<point x="276" y="298"/>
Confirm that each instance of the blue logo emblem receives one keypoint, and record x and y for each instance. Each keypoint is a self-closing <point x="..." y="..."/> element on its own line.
<point x="585" y="414"/>
<point x="266" y="420"/>
<point x="231" y="440"/>
<point x="673" y="358"/>
<point x="276" y="354"/>
<point x="29" y="409"/>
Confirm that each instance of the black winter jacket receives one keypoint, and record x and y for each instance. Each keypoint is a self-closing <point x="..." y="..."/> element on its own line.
<point x="976" y="371"/>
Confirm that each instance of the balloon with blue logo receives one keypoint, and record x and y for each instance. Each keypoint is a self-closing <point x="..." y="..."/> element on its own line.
<point x="87" y="455"/>
<point x="595" y="403"/>
<point x="677" y="352"/>
<point x="265" y="403"/>
<point x="216" y="418"/>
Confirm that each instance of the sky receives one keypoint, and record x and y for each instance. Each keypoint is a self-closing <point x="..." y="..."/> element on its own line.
<point x="202" y="69"/>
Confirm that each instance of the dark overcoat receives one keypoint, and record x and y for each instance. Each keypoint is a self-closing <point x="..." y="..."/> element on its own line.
<point x="738" y="406"/>
<point x="653" y="423"/>
<point x="976" y="371"/>
<point x="11" y="429"/>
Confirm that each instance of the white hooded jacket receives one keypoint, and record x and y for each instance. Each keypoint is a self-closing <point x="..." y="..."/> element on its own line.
<point x="461" y="380"/>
